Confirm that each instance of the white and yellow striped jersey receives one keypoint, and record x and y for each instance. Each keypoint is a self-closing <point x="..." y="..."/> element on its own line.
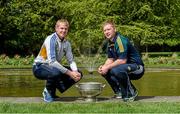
<point x="52" y="52"/>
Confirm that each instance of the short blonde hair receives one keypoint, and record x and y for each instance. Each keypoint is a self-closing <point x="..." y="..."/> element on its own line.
<point x="62" y="21"/>
<point x="111" y="22"/>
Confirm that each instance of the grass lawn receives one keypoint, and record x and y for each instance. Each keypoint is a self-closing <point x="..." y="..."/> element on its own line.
<point x="107" y="107"/>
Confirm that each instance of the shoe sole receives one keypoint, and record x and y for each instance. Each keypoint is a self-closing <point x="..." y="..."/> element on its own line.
<point x="131" y="99"/>
<point x="118" y="97"/>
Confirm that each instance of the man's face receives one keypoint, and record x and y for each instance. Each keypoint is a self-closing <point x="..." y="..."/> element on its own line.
<point x="109" y="31"/>
<point x="61" y="29"/>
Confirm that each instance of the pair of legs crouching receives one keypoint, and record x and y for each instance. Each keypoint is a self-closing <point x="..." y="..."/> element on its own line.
<point x="54" y="80"/>
<point x="119" y="78"/>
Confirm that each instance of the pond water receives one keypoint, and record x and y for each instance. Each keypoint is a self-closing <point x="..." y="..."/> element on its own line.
<point x="155" y="82"/>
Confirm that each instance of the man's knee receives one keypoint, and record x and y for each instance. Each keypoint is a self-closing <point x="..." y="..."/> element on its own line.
<point x="118" y="72"/>
<point x="137" y="74"/>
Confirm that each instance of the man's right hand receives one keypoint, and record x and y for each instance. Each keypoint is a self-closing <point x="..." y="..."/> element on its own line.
<point x="100" y="69"/>
<point x="75" y="75"/>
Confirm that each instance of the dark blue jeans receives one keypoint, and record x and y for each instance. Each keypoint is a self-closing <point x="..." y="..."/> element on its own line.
<point x="54" y="78"/>
<point x="120" y="78"/>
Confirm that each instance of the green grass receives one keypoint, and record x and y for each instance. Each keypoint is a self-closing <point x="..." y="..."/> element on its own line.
<point x="108" y="107"/>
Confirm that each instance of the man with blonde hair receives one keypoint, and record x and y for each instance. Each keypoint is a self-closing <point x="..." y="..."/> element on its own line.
<point x="122" y="65"/>
<point x="47" y="65"/>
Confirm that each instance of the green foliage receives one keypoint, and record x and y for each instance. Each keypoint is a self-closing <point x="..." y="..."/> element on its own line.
<point x="26" y="23"/>
<point x="16" y="61"/>
<point x="165" y="58"/>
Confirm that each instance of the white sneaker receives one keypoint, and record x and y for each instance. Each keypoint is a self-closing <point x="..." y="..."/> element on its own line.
<point x="132" y="98"/>
<point x="46" y="96"/>
<point x="118" y="95"/>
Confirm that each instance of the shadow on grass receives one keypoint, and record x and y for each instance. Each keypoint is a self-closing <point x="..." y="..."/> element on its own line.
<point x="98" y="99"/>
<point x="144" y="97"/>
<point x="80" y="99"/>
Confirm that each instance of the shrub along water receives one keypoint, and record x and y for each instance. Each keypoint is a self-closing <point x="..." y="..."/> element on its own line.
<point x="91" y="61"/>
<point x="16" y="61"/>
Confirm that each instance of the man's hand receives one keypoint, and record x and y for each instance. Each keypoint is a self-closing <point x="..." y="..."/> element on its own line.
<point x="103" y="69"/>
<point x="99" y="69"/>
<point x="109" y="64"/>
<point x="75" y="75"/>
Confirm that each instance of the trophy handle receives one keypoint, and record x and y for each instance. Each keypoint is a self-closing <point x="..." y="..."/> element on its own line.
<point x="77" y="85"/>
<point x="103" y="85"/>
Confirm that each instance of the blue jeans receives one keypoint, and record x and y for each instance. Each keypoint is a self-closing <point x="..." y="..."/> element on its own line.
<point x="54" y="78"/>
<point x="120" y="78"/>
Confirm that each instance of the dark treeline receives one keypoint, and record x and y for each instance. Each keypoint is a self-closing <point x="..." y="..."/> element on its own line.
<point x="26" y="23"/>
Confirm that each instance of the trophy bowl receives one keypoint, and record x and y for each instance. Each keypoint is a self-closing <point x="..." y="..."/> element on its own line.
<point x="89" y="90"/>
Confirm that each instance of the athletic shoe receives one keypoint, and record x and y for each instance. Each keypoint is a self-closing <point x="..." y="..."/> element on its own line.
<point x="132" y="98"/>
<point x="118" y="95"/>
<point x="47" y="96"/>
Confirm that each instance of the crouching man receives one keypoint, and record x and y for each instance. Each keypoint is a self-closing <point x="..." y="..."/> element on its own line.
<point x="47" y="65"/>
<point x="122" y="65"/>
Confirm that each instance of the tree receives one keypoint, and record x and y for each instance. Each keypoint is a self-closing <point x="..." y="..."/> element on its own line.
<point x="26" y="23"/>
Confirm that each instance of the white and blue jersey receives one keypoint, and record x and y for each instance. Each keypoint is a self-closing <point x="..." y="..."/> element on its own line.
<point x="52" y="52"/>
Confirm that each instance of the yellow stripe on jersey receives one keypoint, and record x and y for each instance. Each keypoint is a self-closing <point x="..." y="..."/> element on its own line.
<point x="121" y="47"/>
<point x="43" y="52"/>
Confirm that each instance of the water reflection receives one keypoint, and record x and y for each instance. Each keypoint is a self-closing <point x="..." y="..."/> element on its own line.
<point x="21" y="82"/>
